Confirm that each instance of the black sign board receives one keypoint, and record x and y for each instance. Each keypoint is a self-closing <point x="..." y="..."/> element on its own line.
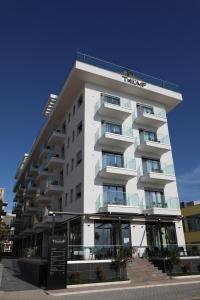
<point x="57" y="263"/>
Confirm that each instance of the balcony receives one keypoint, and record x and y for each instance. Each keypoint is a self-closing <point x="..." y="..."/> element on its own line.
<point x="53" y="187"/>
<point x="165" y="174"/>
<point x="122" y="139"/>
<point x="56" y="137"/>
<point x="112" y="168"/>
<point x="114" y="107"/>
<point x="118" y="202"/>
<point x="44" y="151"/>
<point x="31" y="209"/>
<point x="43" y="173"/>
<point x="168" y="206"/>
<point x="55" y="161"/>
<point x="33" y="170"/>
<point x="42" y="198"/>
<point x="154" y="117"/>
<point x="31" y="188"/>
<point x="158" y="146"/>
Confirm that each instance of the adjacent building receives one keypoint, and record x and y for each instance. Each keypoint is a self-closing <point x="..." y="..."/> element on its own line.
<point x="191" y="220"/>
<point x="103" y="154"/>
<point x="7" y="232"/>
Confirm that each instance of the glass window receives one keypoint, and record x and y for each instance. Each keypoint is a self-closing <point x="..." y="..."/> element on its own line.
<point x="148" y="135"/>
<point x="67" y="169"/>
<point x="79" y="128"/>
<point x="78" y="157"/>
<point x="154" y="199"/>
<point x="112" y="128"/>
<point x="145" y="108"/>
<point x="80" y="101"/>
<point x="74" y="109"/>
<point x="114" y="194"/>
<point x="111" y="99"/>
<point x="112" y="159"/>
<point x="193" y="223"/>
<point x="151" y="165"/>
<point x="78" y="191"/>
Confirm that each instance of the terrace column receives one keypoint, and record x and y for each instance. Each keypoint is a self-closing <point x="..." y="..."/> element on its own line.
<point x="88" y="238"/>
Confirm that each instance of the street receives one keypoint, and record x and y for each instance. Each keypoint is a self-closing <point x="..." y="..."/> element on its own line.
<point x="15" y="288"/>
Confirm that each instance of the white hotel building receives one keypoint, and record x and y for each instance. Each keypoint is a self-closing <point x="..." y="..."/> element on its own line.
<point x="103" y="152"/>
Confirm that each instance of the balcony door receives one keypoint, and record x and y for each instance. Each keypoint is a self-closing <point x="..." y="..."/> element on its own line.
<point x="151" y="165"/>
<point x="114" y="194"/>
<point x="112" y="127"/>
<point x="112" y="159"/>
<point x="154" y="199"/>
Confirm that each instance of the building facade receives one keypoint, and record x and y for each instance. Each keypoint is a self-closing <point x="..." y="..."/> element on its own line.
<point x="103" y="154"/>
<point x="191" y="221"/>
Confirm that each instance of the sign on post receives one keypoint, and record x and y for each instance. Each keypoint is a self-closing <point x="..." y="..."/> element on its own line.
<point x="57" y="263"/>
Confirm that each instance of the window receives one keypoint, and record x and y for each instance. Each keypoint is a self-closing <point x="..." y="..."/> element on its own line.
<point x="73" y="135"/>
<point x="78" y="157"/>
<point x="148" y="136"/>
<point x="151" y="165"/>
<point x="60" y="204"/>
<point x="74" y="109"/>
<point x="63" y="127"/>
<point x="112" y="128"/>
<point x="69" y="117"/>
<point x="72" y="164"/>
<point x="68" y="142"/>
<point x="145" y="109"/>
<point x="71" y="195"/>
<point x="155" y="199"/>
<point x="193" y="223"/>
<point x="114" y="194"/>
<point x="111" y="99"/>
<point x="80" y="101"/>
<point x="78" y="191"/>
<point x="112" y="159"/>
<point x="79" y="128"/>
<point x="67" y="169"/>
<point x="66" y="199"/>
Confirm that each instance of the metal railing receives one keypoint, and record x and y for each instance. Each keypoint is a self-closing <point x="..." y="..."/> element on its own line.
<point x="122" y="70"/>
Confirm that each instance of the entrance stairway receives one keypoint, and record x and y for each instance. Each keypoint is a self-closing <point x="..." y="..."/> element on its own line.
<point x="142" y="270"/>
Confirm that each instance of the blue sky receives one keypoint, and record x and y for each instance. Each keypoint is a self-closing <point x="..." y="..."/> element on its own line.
<point x="38" y="41"/>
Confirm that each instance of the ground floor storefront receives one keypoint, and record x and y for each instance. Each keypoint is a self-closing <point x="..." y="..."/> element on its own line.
<point x="100" y="237"/>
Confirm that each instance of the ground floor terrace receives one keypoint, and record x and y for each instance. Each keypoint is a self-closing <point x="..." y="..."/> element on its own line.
<point x="100" y="237"/>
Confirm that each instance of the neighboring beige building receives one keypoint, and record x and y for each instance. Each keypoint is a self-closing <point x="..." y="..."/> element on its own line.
<point x="104" y="151"/>
<point x="191" y="213"/>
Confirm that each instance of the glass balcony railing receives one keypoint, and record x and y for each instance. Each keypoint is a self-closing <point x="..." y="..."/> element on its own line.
<point x="119" y="162"/>
<point x="126" y="163"/>
<point x="55" y="155"/>
<point x="124" y="103"/>
<point x="122" y="70"/>
<point x="153" y="111"/>
<point x="161" y="169"/>
<point x="163" y="202"/>
<point x="54" y="181"/>
<point x="124" y="131"/>
<point x="161" y="139"/>
<point x="117" y="198"/>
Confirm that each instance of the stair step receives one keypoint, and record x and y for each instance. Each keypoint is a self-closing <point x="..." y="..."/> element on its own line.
<point x="143" y="270"/>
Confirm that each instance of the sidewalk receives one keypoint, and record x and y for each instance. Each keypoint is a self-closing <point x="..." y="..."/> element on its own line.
<point x="120" y="286"/>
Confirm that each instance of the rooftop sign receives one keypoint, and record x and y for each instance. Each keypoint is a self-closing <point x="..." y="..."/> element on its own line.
<point x="133" y="81"/>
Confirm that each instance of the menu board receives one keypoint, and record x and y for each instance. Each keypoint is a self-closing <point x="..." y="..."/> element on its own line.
<point x="57" y="264"/>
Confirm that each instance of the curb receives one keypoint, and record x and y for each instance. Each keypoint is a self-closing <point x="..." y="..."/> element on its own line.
<point x="119" y="289"/>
